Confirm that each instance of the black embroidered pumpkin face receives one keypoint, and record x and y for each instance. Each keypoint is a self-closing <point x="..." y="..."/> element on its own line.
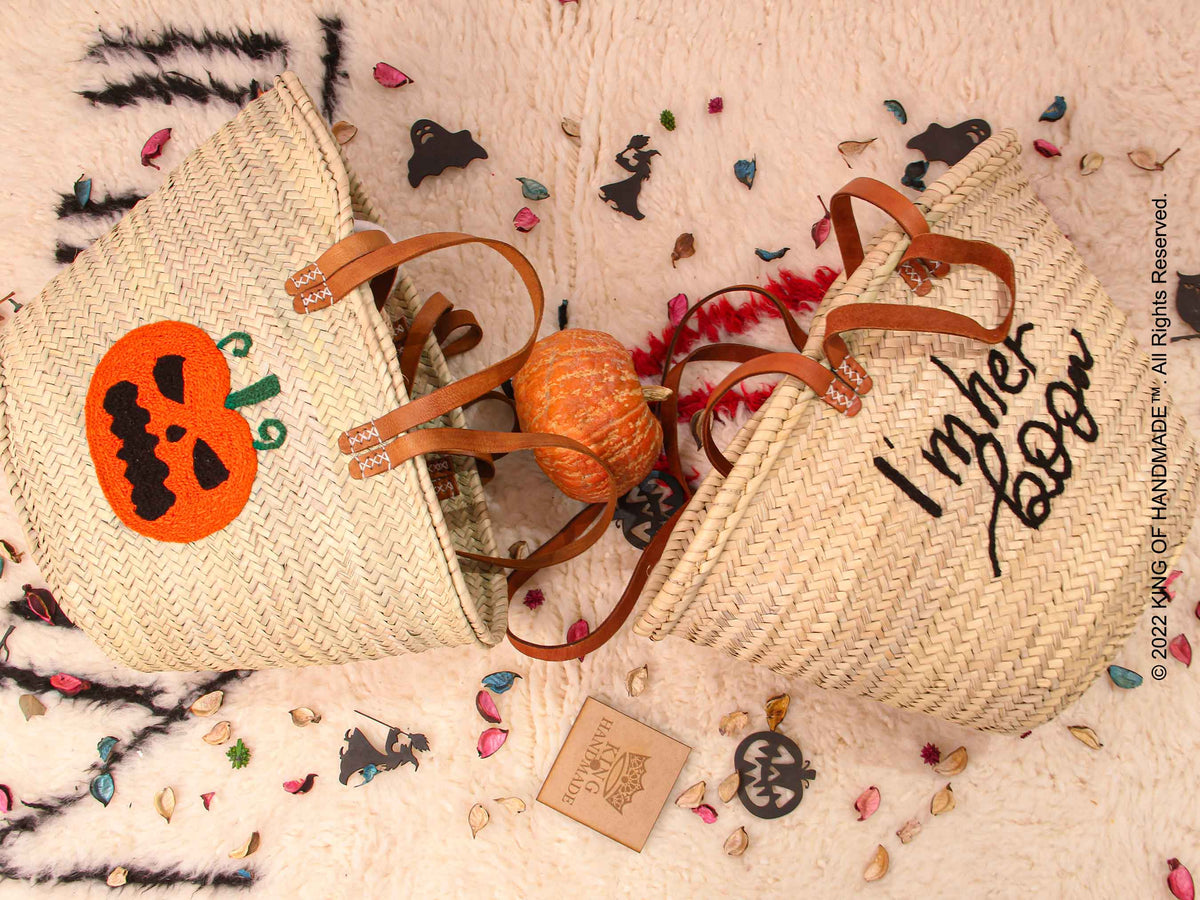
<point x="773" y="774"/>
<point x="173" y="457"/>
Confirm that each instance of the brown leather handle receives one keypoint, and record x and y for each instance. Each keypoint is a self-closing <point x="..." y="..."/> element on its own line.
<point x="879" y="195"/>
<point x="903" y="317"/>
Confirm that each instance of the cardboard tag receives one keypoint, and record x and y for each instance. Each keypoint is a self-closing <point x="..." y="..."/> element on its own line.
<point x="613" y="774"/>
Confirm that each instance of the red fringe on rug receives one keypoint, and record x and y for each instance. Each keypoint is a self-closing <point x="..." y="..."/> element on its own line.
<point x="722" y="317"/>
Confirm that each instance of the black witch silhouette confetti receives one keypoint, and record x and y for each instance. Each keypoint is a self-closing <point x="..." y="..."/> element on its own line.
<point x="359" y="754"/>
<point x="435" y="149"/>
<point x="635" y="159"/>
<point x="950" y="145"/>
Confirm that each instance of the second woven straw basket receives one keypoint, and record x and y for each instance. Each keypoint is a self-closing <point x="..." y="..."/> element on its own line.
<point x="975" y="544"/>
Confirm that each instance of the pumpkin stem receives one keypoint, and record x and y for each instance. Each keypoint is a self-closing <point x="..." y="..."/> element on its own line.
<point x="656" y="393"/>
<point x="263" y="389"/>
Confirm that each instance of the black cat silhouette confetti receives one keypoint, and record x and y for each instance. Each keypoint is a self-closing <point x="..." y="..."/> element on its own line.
<point x="635" y="159"/>
<point x="1187" y="304"/>
<point x="435" y="149"/>
<point x="774" y="774"/>
<point x="949" y="145"/>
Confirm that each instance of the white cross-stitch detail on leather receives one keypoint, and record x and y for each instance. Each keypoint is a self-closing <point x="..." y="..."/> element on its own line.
<point x="851" y="374"/>
<point x="307" y="275"/>
<point x="314" y="297"/>
<point x="914" y="275"/>
<point x="370" y="465"/>
<point x="363" y="436"/>
<point x="837" y="398"/>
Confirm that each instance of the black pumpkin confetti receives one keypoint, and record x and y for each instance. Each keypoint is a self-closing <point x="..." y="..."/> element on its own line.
<point x="773" y="774"/>
<point x="645" y="508"/>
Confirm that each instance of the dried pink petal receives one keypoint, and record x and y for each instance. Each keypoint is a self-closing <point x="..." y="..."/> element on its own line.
<point x="486" y="707"/>
<point x="153" y="147"/>
<point x="820" y="229"/>
<point x="867" y="803"/>
<point x="491" y="741"/>
<point x="1198" y="610"/>
<point x="389" y="76"/>
<point x="1175" y="573"/>
<point x="1181" y="649"/>
<point x="676" y="307"/>
<point x="207" y="798"/>
<point x="578" y="631"/>
<point x="6" y="798"/>
<point x="1046" y="148"/>
<point x="300" y="787"/>
<point x="1180" y="881"/>
<point x="68" y="684"/>
<point x="706" y="812"/>
<point x="716" y="105"/>
<point x="525" y="219"/>
<point x="534" y="598"/>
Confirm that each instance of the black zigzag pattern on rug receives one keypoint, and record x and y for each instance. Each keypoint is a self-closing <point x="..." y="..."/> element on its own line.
<point x="164" y="720"/>
<point x="332" y="27"/>
<point x="167" y="87"/>
<point x="254" y="45"/>
<point x="68" y="206"/>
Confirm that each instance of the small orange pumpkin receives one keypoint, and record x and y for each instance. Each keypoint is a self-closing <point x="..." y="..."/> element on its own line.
<point x="582" y="384"/>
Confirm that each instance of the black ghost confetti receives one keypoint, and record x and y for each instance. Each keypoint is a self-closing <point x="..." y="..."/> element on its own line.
<point x="646" y="507"/>
<point x="435" y="149"/>
<point x="949" y="145"/>
<point x="773" y="774"/>
<point x="360" y="755"/>
<point x="635" y="159"/>
<point x="1187" y="304"/>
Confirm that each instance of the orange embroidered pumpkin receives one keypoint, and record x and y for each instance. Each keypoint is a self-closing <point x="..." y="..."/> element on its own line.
<point x="582" y="384"/>
<point x="173" y="457"/>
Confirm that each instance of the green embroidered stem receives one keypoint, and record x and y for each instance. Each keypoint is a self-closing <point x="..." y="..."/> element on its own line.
<point x="263" y="389"/>
<point x="244" y="343"/>
<point x="271" y="441"/>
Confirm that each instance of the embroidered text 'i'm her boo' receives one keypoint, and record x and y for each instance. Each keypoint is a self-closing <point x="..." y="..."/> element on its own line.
<point x="1030" y="492"/>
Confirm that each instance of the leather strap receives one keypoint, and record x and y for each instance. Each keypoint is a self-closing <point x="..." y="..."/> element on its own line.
<point x="879" y="195"/>
<point x="453" y="320"/>
<point x="441" y="401"/>
<point x="422" y="326"/>
<point x="825" y="383"/>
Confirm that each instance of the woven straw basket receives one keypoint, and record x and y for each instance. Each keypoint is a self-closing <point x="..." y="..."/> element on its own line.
<point x="921" y="589"/>
<point x="317" y="567"/>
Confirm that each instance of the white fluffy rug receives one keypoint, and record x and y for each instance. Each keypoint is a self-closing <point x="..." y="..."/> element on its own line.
<point x="1045" y="815"/>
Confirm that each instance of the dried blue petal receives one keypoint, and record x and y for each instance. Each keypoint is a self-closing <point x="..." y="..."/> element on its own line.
<point x="103" y="788"/>
<point x="1124" y="678"/>
<point x="1054" y="111"/>
<point x="369" y="771"/>
<point x="104" y="748"/>
<point x="896" y="108"/>
<point x="83" y="191"/>
<point x="533" y="190"/>
<point x="243" y="873"/>
<point x="914" y="173"/>
<point x="745" y="169"/>
<point x="499" y="682"/>
<point x="768" y="255"/>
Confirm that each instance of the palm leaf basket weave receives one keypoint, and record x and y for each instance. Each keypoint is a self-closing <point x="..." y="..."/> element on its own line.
<point x="976" y="543"/>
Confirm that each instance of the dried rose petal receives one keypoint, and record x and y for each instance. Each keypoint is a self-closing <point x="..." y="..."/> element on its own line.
<point x="692" y="797"/>
<point x="207" y="798"/>
<point x="777" y="709"/>
<point x="1090" y="163"/>
<point x="734" y="723"/>
<point x="1181" y="649"/>
<point x="344" y="132"/>
<point x="736" y="843"/>
<point x="943" y="801"/>
<point x="477" y="818"/>
<point x="524" y="220"/>
<point x="867" y="803"/>
<point x="1180" y="880"/>
<point x="578" y="631"/>
<point x="706" y="812"/>
<point x="821" y="227"/>
<point x="931" y="754"/>
<point x="389" y="76"/>
<point x="6" y="798"/>
<point x="1170" y="580"/>
<point x="635" y="681"/>
<point x="1046" y="148"/>
<point x="716" y="105"/>
<point x="486" y="707"/>
<point x="1198" y="610"/>
<point x="164" y="803"/>
<point x="300" y="787"/>
<point x="908" y="831"/>
<point x="491" y="741"/>
<point x="685" y="247"/>
<point x="878" y="866"/>
<point x="247" y="848"/>
<point x="68" y="684"/>
<point x="41" y="603"/>
<point x="534" y="598"/>
<point x="153" y="147"/>
<point x="676" y="307"/>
